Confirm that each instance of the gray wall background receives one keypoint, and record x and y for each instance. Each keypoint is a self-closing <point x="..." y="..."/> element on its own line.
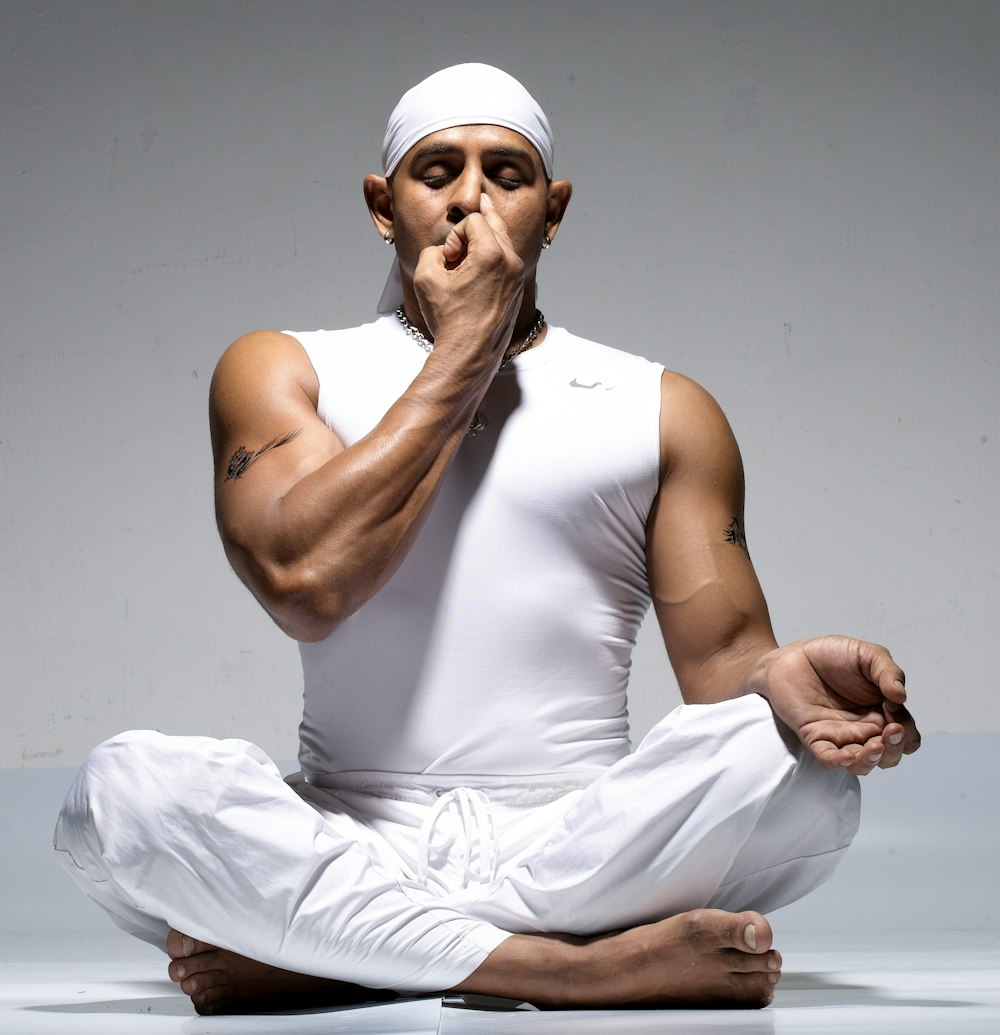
<point x="796" y="203"/>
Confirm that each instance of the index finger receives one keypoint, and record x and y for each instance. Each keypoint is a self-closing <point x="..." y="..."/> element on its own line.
<point x="495" y="220"/>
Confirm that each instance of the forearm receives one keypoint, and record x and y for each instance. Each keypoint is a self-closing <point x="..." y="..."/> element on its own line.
<point x="736" y="671"/>
<point x="717" y="643"/>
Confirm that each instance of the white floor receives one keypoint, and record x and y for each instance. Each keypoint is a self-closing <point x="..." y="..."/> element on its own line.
<point x="903" y="984"/>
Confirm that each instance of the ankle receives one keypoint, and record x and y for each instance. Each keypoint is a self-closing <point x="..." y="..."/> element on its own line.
<point x="541" y="969"/>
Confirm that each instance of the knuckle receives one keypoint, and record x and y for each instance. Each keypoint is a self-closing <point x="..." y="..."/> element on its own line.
<point x="696" y="925"/>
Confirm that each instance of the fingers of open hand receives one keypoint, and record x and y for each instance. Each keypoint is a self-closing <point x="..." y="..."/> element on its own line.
<point x="862" y="759"/>
<point x="901" y="729"/>
<point x="894" y="739"/>
<point x="882" y="750"/>
<point x="830" y="756"/>
<point x="852" y="750"/>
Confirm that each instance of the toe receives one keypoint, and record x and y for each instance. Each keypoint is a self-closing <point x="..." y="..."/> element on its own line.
<point x="204" y="986"/>
<point x="751" y="932"/>
<point x="175" y="945"/>
<point x="754" y="989"/>
<point x="747" y="932"/>
<point x="182" y="945"/>
<point x="186" y="967"/>
<point x="754" y="963"/>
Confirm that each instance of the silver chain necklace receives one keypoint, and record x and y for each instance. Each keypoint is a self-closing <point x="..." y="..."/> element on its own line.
<point x="479" y="419"/>
<point x="428" y="346"/>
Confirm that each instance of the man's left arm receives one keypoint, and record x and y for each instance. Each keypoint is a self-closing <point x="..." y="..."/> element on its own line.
<point x="844" y="698"/>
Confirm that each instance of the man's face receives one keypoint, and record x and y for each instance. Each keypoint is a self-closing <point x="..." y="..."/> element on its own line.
<point x="440" y="180"/>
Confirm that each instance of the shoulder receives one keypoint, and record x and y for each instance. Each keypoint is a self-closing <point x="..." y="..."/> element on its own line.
<point x="694" y="430"/>
<point x="262" y="376"/>
<point x="272" y="347"/>
<point x="260" y="348"/>
<point x="686" y="397"/>
<point x="260" y="358"/>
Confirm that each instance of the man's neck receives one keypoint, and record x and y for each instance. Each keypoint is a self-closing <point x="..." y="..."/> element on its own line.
<point x="522" y="326"/>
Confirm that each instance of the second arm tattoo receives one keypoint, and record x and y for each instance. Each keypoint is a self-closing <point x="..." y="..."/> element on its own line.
<point x="734" y="534"/>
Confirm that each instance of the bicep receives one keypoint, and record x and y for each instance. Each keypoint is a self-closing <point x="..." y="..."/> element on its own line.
<point x="705" y="592"/>
<point x="266" y="435"/>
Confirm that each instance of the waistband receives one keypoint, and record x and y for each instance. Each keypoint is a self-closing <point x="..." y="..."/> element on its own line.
<point x="525" y="791"/>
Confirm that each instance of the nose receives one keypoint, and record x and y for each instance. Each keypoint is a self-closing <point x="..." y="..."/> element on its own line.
<point x="466" y="190"/>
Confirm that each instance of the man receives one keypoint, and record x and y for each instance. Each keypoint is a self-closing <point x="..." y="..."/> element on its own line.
<point x="462" y="512"/>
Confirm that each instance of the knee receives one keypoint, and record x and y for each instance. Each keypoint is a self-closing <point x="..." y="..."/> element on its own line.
<point x="122" y="766"/>
<point x="124" y="749"/>
<point x="93" y="795"/>
<point x="130" y="782"/>
<point x="104" y="781"/>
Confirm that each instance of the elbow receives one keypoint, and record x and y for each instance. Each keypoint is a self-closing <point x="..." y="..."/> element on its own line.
<point x="301" y="603"/>
<point x="302" y="625"/>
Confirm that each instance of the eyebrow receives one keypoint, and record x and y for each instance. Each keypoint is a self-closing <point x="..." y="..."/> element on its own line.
<point x="436" y="150"/>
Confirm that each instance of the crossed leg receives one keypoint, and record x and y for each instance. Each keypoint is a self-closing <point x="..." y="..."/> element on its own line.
<point x="704" y="958"/>
<point x="301" y="882"/>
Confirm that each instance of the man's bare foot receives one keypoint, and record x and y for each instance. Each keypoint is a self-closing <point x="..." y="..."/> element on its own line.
<point x="705" y="958"/>
<point x="219" y="981"/>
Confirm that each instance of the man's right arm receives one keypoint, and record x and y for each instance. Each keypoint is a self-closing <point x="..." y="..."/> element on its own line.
<point x="312" y="528"/>
<point x="315" y="529"/>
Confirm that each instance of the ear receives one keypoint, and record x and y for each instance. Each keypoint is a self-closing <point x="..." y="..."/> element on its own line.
<point x="378" y="196"/>
<point x="559" y="193"/>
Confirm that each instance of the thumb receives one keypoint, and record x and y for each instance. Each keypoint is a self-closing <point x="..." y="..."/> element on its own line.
<point x="885" y="673"/>
<point x="454" y="246"/>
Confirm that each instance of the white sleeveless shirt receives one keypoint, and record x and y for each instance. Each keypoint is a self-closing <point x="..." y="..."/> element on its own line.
<point x="501" y="647"/>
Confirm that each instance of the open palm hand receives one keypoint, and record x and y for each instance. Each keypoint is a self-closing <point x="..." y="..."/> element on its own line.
<point x="844" y="699"/>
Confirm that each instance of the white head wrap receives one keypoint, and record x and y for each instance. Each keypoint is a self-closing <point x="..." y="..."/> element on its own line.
<point x="463" y="95"/>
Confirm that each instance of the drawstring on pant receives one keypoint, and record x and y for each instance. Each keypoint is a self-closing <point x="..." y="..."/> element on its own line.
<point x="474" y="821"/>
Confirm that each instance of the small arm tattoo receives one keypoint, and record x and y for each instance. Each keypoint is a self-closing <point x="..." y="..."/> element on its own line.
<point x="243" y="458"/>
<point x="735" y="535"/>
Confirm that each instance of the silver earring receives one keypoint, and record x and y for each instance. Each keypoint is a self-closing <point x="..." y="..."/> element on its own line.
<point x="387" y="237"/>
<point x="545" y="241"/>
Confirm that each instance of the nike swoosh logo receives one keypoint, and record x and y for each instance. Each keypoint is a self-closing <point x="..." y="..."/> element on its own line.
<point x="576" y="384"/>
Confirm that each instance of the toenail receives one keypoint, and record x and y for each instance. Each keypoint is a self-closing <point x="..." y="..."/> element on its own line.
<point x="750" y="935"/>
<point x="773" y="978"/>
<point x="772" y="964"/>
<point x="187" y="944"/>
<point x="181" y="971"/>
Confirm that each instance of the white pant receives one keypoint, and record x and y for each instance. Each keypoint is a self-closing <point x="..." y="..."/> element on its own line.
<point x="398" y="883"/>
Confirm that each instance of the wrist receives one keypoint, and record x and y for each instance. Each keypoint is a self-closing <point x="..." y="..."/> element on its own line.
<point x="757" y="677"/>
